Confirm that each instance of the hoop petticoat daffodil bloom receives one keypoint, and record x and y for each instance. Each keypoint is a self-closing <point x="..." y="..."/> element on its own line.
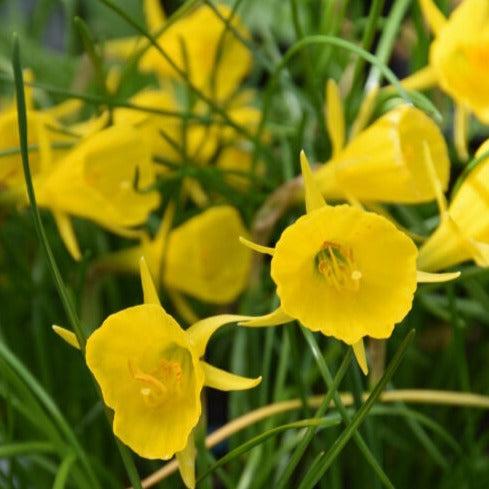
<point x="384" y="162"/>
<point x="463" y="233"/>
<point x="458" y="62"/>
<point x="201" y="45"/>
<point x="96" y="180"/>
<point x="202" y="257"/>
<point x="151" y="373"/>
<point x="343" y="271"/>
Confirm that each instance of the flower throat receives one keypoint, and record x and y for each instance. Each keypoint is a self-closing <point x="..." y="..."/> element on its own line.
<point x="336" y="264"/>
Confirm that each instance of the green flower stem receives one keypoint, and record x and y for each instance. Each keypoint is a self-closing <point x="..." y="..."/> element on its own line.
<point x="92" y="53"/>
<point x="53" y="267"/>
<point x="367" y="39"/>
<point x="311" y="424"/>
<point x="51" y="409"/>
<point x="99" y="100"/>
<point x="63" y="471"/>
<point x="257" y="54"/>
<point x="331" y="41"/>
<point x="315" y="474"/>
<point x="415" y="396"/>
<point x="389" y="36"/>
<point x="316" y="97"/>
<point x="328" y="379"/>
<point x="461" y="356"/>
<point x="62" y="290"/>
<point x="301" y="448"/>
<point x="12" y="450"/>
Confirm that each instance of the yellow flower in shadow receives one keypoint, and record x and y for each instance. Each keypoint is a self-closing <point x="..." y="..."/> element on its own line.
<point x="201" y="45"/>
<point x="151" y="373"/>
<point x="463" y="233"/>
<point x="458" y="61"/>
<point x="342" y="271"/>
<point x="384" y="162"/>
<point x="202" y="257"/>
<point x="96" y="180"/>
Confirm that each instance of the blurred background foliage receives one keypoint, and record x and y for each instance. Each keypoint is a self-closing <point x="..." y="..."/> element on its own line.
<point x="50" y="412"/>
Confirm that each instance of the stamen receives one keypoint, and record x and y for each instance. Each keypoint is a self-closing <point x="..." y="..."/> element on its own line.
<point x="160" y="384"/>
<point x="335" y="262"/>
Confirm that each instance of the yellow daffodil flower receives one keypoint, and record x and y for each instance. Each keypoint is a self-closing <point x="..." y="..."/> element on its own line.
<point x="95" y="180"/>
<point x="202" y="257"/>
<point x="201" y="45"/>
<point x="384" y="162"/>
<point x="463" y="233"/>
<point x="458" y="61"/>
<point x="165" y="133"/>
<point x="151" y="373"/>
<point x="44" y="130"/>
<point x="343" y="271"/>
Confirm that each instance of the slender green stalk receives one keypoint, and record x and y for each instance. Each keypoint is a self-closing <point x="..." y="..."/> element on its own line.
<point x="51" y="408"/>
<point x="62" y="290"/>
<point x="328" y="379"/>
<point x="63" y="471"/>
<point x="332" y="41"/>
<point x="26" y="448"/>
<point x="386" y="43"/>
<point x="312" y="423"/>
<point x="375" y="12"/>
<point x="92" y="53"/>
<point x="315" y="474"/>
<point x="53" y="267"/>
<point x="301" y="448"/>
<point x="181" y="73"/>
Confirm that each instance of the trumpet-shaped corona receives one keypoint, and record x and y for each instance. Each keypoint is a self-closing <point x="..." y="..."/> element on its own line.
<point x="201" y="45"/>
<point x="384" y="162"/>
<point x="342" y="271"/>
<point x="463" y="233"/>
<point x="151" y="373"/>
<point x="202" y="257"/>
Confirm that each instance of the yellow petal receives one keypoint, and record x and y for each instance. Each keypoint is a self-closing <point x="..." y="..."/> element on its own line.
<point x="365" y="112"/>
<point x="67" y="335"/>
<point x="150" y="376"/>
<point x="421" y="80"/>
<point x="183" y="307"/>
<point x="219" y="68"/>
<point x="226" y="381"/>
<point x="459" y="56"/>
<point x="345" y="272"/>
<point x="95" y="179"/>
<point x="65" y="228"/>
<point x="200" y="332"/>
<point x="428" y="278"/>
<point x="481" y="253"/>
<point x="205" y="259"/>
<point x="149" y="291"/>
<point x="335" y="119"/>
<point x="385" y="162"/>
<point x="433" y="15"/>
<point x="435" y="181"/>
<point x="359" y="351"/>
<point x="257" y="247"/>
<point x="186" y="462"/>
<point x="154" y="15"/>
<point x="313" y="196"/>
<point x="275" y="318"/>
<point x="460" y="129"/>
<point x="463" y="233"/>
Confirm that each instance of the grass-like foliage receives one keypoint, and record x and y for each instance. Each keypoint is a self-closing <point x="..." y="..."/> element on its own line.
<point x="244" y="244"/>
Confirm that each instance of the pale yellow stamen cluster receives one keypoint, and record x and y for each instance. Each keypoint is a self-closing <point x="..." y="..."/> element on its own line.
<point x="159" y="385"/>
<point x="335" y="262"/>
